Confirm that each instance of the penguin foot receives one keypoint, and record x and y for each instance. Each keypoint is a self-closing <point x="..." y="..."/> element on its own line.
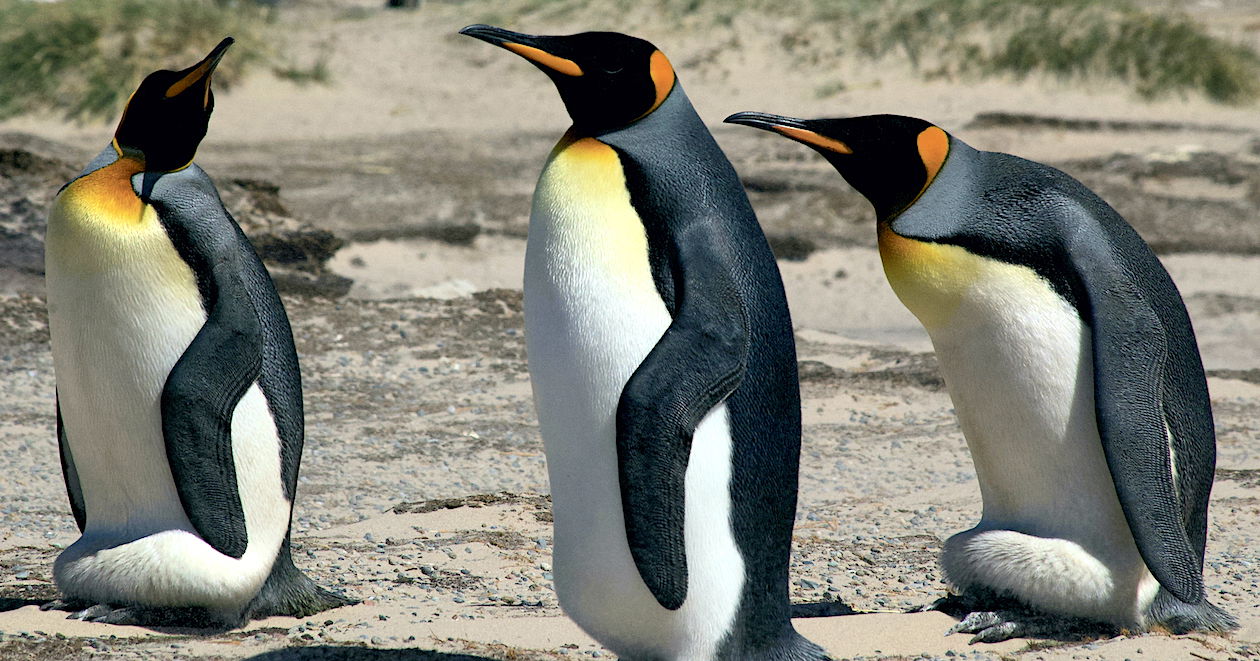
<point x="991" y="626"/>
<point x="92" y="613"/>
<point x="144" y="616"/>
<point x="997" y="626"/>
<point x="106" y="614"/>
<point x="994" y="618"/>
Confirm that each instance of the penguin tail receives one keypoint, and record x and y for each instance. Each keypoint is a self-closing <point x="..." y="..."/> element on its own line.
<point x="1178" y="617"/>
<point x="801" y="649"/>
<point x="290" y="592"/>
<point x="790" y="646"/>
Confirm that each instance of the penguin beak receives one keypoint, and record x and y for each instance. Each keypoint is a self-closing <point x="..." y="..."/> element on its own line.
<point x="533" y="48"/>
<point x="791" y="128"/>
<point x="147" y="181"/>
<point x="200" y="71"/>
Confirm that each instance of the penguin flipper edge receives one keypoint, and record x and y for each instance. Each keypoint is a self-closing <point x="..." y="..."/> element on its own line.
<point x="1130" y="346"/>
<point x="71" y="474"/>
<point x="201" y="393"/>
<point x="695" y="365"/>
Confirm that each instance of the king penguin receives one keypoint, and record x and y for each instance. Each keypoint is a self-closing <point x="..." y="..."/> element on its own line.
<point x="663" y="367"/>
<point x="179" y="402"/>
<point x="1074" y="372"/>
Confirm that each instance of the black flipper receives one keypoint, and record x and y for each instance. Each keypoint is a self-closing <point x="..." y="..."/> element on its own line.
<point x="1131" y="353"/>
<point x="694" y="366"/>
<point x="71" y="475"/>
<point x="251" y="329"/>
<point x="201" y="393"/>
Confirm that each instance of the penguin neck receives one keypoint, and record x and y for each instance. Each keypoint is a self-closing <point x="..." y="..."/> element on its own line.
<point x="928" y="272"/>
<point x="674" y="111"/>
<point x="938" y="212"/>
<point x="107" y="193"/>
<point x="674" y="122"/>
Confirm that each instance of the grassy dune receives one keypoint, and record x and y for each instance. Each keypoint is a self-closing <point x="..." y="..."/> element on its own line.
<point x="1156" y="52"/>
<point x="80" y="58"/>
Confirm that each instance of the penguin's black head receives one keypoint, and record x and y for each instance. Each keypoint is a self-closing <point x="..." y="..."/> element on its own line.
<point x="889" y="159"/>
<point x="168" y="115"/>
<point x="606" y="79"/>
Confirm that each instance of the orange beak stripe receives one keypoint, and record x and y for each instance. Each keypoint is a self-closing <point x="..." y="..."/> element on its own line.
<point x="539" y="56"/>
<point x="192" y="78"/>
<point x="814" y="139"/>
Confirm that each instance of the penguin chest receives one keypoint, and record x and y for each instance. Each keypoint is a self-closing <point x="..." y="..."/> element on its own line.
<point x="1018" y="363"/>
<point x="123" y="306"/>
<point x="592" y="310"/>
<point x="931" y="279"/>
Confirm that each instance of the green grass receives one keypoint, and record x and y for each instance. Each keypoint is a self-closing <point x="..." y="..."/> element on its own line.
<point x="1155" y="53"/>
<point x="82" y="58"/>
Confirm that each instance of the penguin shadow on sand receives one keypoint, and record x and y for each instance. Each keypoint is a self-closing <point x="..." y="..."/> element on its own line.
<point x="825" y="608"/>
<point x="8" y="603"/>
<point x="1080" y="630"/>
<point x="175" y="621"/>
<point x="350" y="653"/>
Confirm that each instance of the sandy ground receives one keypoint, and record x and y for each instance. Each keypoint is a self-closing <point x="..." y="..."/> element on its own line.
<point x="423" y="489"/>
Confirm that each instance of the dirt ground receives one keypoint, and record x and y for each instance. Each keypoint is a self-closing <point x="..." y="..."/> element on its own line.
<point x="423" y="488"/>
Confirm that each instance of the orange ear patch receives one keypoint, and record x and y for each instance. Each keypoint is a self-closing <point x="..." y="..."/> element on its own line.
<point x="813" y="139"/>
<point x="933" y="148"/>
<point x="662" y="77"/>
<point x="542" y="57"/>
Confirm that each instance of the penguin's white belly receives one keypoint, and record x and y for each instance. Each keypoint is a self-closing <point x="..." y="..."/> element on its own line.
<point x="123" y="307"/>
<point x="592" y="314"/>
<point x="1018" y="364"/>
